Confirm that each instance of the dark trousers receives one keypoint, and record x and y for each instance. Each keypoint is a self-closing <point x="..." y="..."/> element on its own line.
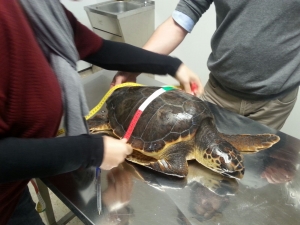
<point x="25" y="212"/>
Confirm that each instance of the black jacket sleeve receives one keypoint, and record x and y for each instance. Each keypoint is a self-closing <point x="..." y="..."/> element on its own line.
<point x="22" y="158"/>
<point x="124" y="57"/>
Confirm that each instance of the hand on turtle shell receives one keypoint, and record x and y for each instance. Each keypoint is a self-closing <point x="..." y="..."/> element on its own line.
<point x="115" y="151"/>
<point x="187" y="79"/>
<point x="122" y="77"/>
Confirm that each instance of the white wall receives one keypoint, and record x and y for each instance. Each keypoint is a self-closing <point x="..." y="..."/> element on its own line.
<point x="193" y="51"/>
<point x="292" y="125"/>
<point x="77" y="8"/>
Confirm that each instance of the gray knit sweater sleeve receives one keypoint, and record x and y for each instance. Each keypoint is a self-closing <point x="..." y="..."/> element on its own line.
<point x="193" y="8"/>
<point x="255" y="48"/>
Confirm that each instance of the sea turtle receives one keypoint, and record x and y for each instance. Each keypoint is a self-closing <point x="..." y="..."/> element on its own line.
<point x="175" y="127"/>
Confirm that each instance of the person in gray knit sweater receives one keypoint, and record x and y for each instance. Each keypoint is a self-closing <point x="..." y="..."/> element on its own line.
<point x="255" y="60"/>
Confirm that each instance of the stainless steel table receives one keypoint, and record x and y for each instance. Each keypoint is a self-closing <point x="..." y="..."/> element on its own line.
<point x="269" y="193"/>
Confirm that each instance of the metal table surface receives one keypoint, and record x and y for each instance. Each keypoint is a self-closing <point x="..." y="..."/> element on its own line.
<point x="269" y="193"/>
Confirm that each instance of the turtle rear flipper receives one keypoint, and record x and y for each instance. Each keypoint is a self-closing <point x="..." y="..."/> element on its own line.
<point x="251" y="143"/>
<point x="172" y="162"/>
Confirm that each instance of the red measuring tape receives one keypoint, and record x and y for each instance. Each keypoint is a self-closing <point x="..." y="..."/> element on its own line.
<point x="142" y="107"/>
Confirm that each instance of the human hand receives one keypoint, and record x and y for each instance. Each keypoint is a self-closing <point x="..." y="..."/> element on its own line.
<point x="122" y="77"/>
<point x="187" y="78"/>
<point x="115" y="151"/>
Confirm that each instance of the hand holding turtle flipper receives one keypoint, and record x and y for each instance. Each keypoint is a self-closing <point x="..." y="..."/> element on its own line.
<point x="189" y="81"/>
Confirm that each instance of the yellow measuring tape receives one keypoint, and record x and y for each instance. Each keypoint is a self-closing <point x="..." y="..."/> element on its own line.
<point x="101" y="103"/>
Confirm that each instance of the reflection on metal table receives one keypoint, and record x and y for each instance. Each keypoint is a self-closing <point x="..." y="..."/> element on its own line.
<point x="269" y="193"/>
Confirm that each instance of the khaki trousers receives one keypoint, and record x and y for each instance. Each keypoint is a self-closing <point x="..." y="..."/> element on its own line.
<point x="272" y="113"/>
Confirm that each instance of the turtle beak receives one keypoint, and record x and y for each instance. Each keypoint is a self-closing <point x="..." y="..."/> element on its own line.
<point x="236" y="174"/>
<point x="233" y="171"/>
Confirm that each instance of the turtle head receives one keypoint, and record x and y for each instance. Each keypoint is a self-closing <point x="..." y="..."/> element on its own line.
<point x="98" y="124"/>
<point x="224" y="159"/>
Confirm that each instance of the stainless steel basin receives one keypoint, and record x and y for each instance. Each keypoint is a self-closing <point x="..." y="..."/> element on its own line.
<point x="120" y="8"/>
<point x="117" y="7"/>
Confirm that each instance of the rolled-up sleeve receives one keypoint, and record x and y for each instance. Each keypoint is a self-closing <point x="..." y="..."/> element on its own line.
<point x="184" y="21"/>
<point x="188" y="12"/>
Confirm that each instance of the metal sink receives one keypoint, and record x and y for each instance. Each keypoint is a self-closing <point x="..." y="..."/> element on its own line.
<point x="117" y="8"/>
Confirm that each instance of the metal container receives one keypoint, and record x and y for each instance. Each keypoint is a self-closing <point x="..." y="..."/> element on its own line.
<point x="130" y="22"/>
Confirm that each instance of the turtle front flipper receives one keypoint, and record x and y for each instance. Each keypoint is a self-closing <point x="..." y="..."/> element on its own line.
<point x="251" y="143"/>
<point x="171" y="162"/>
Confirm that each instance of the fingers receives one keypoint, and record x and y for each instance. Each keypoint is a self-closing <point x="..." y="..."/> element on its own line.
<point x="199" y="90"/>
<point x="187" y="88"/>
<point x="122" y="77"/>
<point x="189" y="81"/>
<point x="124" y="140"/>
<point x="118" y="79"/>
<point x="198" y="87"/>
<point x="115" y="152"/>
<point x="129" y="148"/>
<point x="194" y="88"/>
<point x="113" y="83"/>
